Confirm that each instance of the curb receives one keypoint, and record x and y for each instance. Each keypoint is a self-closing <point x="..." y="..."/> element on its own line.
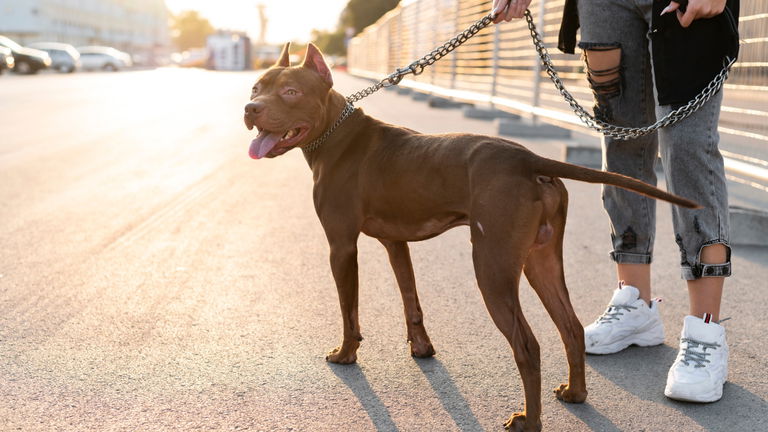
<point x="588" y="156"/>
<point x="440" y="102"/>
<point x="749" y="227"/>
<point x="526" y="129"/>
<point x="488" y="114"/>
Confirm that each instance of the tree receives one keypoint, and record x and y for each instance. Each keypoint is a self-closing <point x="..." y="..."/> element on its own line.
<point x="190" y="30"/>
<point x="330" y="42"/>
<point x="359" y="14"/>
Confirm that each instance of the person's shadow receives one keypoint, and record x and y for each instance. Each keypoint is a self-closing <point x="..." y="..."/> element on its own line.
<point x="643" y="373"/>
<point x="438" y="377"/>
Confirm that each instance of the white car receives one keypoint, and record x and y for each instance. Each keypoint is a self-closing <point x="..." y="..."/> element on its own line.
<point x="64" y="57"/>
<point x="104" y="58"/>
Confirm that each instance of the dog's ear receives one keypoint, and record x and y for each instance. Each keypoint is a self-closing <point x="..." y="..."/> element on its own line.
<point x="285" y="57"/>
<point x="314" y="61"/>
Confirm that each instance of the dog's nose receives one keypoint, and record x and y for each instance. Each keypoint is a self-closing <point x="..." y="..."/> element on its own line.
<point x="254" y="108"/>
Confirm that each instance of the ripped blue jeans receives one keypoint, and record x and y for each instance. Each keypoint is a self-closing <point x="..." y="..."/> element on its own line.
<point x="693" y="165"/>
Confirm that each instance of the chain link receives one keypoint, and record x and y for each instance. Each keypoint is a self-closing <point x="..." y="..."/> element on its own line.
<point x="618" y="132"/>
<point x="417" y="67"/>
<point x="309" y="148"/>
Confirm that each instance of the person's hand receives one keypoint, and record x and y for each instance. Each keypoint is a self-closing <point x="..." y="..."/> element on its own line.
<point x="505" y="10"/>
<point x="696" y="9"/>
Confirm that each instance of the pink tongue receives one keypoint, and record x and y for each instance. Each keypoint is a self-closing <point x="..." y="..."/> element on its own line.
<point x="263" y="143"/>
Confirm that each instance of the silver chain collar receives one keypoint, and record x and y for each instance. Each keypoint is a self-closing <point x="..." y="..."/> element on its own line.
<point x="618" y="132"/>
<point x="317" y="142"/>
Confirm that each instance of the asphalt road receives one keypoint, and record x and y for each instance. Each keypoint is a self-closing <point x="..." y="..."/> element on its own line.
<point x="154" y="278"/>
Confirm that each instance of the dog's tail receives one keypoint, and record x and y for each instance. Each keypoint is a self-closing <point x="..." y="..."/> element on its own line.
<point x="553" y="168"/>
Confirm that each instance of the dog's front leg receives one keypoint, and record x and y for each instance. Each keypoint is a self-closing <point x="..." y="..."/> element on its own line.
<point x="344" y="268"/>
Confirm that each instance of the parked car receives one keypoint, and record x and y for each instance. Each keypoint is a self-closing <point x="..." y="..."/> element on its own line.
<point x="28" y="60"/>
<point x="6" y="59"/>
<point x="195" y="57"/>
<point x="64" y="57"/>
<point x="103" y="58"/>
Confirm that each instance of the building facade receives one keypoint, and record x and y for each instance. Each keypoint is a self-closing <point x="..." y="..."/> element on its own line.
<point x="139" y="27"/>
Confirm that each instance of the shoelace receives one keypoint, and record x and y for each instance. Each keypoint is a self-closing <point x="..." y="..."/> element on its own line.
<point x="614" y="312"/>
<point x="698" y="357"/>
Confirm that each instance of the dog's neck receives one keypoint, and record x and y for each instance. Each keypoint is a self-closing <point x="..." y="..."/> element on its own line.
<point x="335" y="103"/>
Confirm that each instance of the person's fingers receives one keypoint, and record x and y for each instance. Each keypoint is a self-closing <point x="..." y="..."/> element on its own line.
<point x="671" y="7"/>
<point x="499" y="9"/>
<point x="498" y="6"/>
<point x="510" y="12"/>
<point x="518" y="8"/>
<point x="686" y="18"/>
<point x="507" y="10"/>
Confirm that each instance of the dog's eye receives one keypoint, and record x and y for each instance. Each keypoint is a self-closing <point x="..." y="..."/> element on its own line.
<point x="291" y="92"/>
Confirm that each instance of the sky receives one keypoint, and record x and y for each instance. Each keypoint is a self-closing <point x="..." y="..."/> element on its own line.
<point x="289" y="20"/>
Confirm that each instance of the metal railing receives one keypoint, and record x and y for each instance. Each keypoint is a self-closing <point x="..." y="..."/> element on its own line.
<point x="499" y="67"/>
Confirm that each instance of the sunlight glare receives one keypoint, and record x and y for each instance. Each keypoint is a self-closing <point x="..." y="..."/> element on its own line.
<point x="287" y="20"/>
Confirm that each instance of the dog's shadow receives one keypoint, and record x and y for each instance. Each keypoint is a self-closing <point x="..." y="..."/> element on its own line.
<point x="449" y="395"/>
<point x="439" y="379"/>
<point x="355" y="379"/>
<point x="642" y="372"/>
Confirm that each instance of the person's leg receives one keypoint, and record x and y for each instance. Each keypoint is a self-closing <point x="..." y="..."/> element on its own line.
<point x="694" y="168"/>
<point x="613" y="37"/>
<point x="638" y="276"/>
<point x="706" y="293"/>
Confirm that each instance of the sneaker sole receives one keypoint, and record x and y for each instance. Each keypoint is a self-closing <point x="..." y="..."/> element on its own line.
<point x="644" y="340"/>
<point x="713" y="396"/>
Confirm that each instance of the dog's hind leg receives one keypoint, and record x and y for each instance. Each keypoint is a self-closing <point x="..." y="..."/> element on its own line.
<point x="400" y="258"/>
<point x="544" y="270"/>
<point x="498" y="258"/>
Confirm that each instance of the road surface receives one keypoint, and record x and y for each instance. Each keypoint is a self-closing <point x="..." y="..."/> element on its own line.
<point x="154" y="278"/>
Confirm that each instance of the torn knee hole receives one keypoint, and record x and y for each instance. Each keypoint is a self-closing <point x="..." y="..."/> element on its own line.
<point x="604" y="69"/>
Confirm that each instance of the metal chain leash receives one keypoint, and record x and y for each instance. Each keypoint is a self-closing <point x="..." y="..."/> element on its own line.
<point x="417" y="67"/>
<point x="618" y="132"/>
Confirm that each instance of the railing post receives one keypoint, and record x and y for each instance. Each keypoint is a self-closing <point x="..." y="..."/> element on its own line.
<point x="495" y="60"/>
<point x="537" y="66"/>
<point x="453" y="57"/>
<point x="435" y="37"/>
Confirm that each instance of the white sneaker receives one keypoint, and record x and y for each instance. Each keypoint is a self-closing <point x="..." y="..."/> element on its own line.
<point x="701" y="368"/>
<point x="627" y="321"/>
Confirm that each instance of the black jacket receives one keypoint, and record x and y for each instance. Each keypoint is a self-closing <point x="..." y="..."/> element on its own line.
<point x="684" y="59"/>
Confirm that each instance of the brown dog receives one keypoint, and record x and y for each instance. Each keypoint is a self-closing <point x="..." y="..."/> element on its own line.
<point x="398" y="185"/>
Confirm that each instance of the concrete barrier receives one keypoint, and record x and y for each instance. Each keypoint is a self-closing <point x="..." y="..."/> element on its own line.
<point x="488" y="114"/>
<point x="584" y="155"/>
<point x="525" y="128"/>
<point x="749" y="227"/>
<point x="441" y="102"/>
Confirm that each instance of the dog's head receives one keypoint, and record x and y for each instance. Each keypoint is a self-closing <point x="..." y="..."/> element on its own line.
<point x="288" y="104"/>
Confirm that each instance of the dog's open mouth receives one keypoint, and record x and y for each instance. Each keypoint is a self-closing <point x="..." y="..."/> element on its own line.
<point x="271" y="144"/>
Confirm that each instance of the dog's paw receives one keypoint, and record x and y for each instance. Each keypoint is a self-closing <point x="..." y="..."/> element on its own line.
<point x="517" y="423"/>
<point x="567" y="394"/>
<point x="339" y="355"/>
<point x="421" y="350"/>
